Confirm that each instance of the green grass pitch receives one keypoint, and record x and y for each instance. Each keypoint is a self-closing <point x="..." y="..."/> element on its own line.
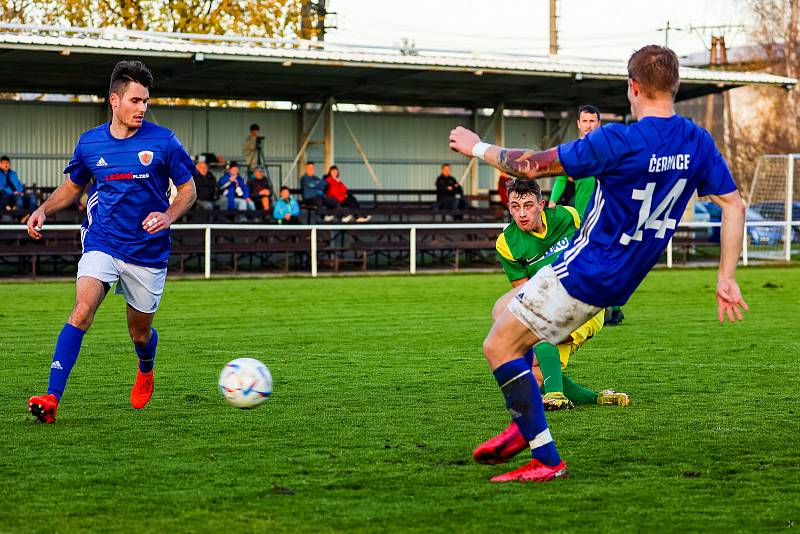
<point x="381" y="392"/>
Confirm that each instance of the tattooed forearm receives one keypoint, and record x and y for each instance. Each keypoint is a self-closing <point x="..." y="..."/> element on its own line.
<point x="526" y="163"/>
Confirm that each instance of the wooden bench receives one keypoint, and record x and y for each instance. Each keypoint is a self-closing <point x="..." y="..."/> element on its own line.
<point x="17" y="248"/>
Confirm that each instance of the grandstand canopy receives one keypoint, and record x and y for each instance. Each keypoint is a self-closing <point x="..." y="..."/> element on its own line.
<point x="79" y="61"/>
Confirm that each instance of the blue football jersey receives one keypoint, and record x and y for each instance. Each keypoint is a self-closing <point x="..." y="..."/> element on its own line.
<point x="646" y="172"/>
<point x="131" y="180"/>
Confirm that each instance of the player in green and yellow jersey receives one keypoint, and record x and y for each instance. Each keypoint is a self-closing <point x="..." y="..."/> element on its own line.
<point x="588" y="120"/>
<point x="536" y="238"/>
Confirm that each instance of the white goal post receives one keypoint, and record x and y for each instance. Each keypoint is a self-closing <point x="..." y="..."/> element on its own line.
<point x="775" y="196"/>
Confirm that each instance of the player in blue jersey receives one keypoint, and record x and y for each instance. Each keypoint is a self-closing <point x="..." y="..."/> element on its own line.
<point x="646" y="174"/>
<point x="126" y="238"/>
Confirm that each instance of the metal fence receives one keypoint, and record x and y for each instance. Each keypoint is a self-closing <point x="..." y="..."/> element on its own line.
<point x="690" y="239"/>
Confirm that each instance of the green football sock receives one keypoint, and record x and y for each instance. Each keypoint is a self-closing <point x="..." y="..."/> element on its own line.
<point x="550" y="365"/>
<point x="577" y="393"/>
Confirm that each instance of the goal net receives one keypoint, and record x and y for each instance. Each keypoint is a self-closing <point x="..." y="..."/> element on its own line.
<point x="773" y="204"/>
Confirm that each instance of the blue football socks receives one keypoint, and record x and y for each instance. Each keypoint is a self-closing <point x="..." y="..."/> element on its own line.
<point x="524" y="402"/>
<point x="529" y="357"/>
<point x="147" y="354"/>
<point x="68" y="346"/>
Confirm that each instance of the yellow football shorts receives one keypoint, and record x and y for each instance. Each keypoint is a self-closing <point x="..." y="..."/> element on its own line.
<point x="580" y="336"/>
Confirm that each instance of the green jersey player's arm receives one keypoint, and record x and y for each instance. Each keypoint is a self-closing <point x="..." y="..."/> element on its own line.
<point x="514" y="271"/>
<point x="516" y="274"/>
<point x="559" y="186"/>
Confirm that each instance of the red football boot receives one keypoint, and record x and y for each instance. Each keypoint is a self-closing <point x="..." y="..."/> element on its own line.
<point x="142" y="390"/>
<point x="534" y="471"/>
<point x="44" y="408"/>
<point x="502" y="447"/>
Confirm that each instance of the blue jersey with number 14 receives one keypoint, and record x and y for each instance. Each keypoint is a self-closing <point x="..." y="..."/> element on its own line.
<point x="646" y="174"/>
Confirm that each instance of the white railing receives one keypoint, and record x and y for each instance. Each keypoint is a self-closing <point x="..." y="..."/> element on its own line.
<point x="412" y="235"/>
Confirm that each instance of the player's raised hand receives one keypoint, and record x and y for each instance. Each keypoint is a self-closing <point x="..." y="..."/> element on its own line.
<point x="156" y="221"/>
<point x="35" y="222"/>
<point x="729" y="300"/>
<point x="462" y="140"/>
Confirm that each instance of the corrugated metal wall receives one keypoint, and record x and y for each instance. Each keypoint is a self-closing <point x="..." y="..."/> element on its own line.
<point x="406" y="150"/>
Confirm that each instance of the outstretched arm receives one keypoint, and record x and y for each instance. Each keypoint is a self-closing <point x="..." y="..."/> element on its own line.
<point x="729" y="298"/>
<point x="522" y="163"/>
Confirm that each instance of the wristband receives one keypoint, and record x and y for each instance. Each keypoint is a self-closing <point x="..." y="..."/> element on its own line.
<point x="479" y="150"/>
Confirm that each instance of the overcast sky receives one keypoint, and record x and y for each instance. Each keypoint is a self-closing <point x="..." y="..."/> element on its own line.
<point x="587" y="28"/>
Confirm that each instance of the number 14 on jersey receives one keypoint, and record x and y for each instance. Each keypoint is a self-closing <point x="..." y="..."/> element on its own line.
<point x="650" y="220"/>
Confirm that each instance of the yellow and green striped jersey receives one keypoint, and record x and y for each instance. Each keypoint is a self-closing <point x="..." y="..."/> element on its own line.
<point x="523" y="253"/>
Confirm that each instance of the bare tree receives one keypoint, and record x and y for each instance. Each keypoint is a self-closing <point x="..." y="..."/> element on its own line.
<point x="766" y="119"/>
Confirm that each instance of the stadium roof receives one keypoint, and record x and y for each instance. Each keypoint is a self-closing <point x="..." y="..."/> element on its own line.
<point x="79" y="60"/>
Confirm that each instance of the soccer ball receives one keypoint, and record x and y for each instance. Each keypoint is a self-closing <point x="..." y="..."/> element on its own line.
<point x="245" y="383"/>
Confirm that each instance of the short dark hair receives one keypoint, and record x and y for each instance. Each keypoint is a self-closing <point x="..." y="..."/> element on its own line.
<point x="254" y="126"/>
<point x="445" y="165"/>
<point x="285" y="187"/>
<point x="523" y="187"/>
<point x="126" y="72"/>
<point x="232" y="164"/>
<point x="310" y="163"/>
<point x="588" y="108"/>
<point x="5" y="158"/>
<point x="656" y="68"/>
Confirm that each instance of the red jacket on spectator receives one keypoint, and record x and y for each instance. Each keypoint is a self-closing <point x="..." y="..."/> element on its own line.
<point x="336" y="189"/>
<point x="502" y="188"/>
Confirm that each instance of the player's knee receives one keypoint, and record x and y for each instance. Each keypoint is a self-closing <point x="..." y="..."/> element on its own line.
<point x="82" y="316"/>
<point x="139" y="336"/>
<point x="492" y="348"/>
<point x="498" y="309"/>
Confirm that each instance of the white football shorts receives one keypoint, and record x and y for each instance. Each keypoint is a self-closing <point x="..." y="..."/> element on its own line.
<point x="545" y="307"/>
<point x="142" y="287"/>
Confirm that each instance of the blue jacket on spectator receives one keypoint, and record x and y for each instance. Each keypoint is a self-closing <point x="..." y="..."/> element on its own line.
<point x="313" y="186"/>
<point x="9" y="182"/>
<point x="282" y="207"/>
<point x="230" y="191"/>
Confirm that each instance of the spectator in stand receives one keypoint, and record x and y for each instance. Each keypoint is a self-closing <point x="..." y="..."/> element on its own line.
<point x="502" y="188"/>
<point x="261" y="188"/>
<point x="287" y="210"/>
<point x="235" y="189"/>
<point x="252" y="146"/>
<point x="449" y="194"/>
<point x="313" y="190"/>
<point x="12" y="192"/>
<point x="337" y="190"/>
<point x="207" y="189"/>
